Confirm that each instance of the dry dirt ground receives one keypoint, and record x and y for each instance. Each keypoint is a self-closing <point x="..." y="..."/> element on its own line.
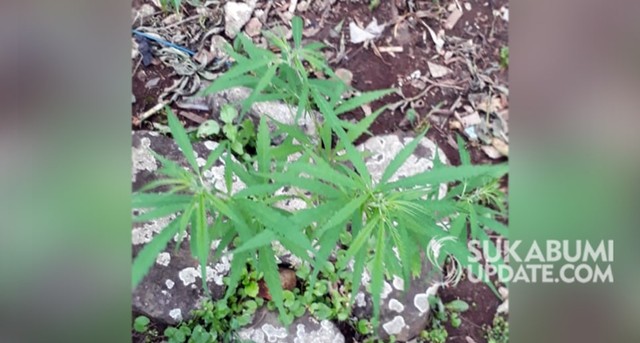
<point x="476" y="76"/>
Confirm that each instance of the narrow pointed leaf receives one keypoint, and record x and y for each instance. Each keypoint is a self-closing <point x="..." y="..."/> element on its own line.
<point x="181" y="138"/>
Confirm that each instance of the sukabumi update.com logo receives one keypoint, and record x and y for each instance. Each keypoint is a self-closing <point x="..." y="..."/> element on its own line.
<point x="552" y="261"/>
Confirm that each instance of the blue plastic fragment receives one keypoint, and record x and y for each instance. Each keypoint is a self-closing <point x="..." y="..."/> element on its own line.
<point x="163" y="42"/>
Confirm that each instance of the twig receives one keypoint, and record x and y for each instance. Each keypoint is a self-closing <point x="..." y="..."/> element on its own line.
<point x="135" y="69"/>
<point x="437" y="84"/>
<point x="186" y="20"/>
<point x="153" y="110"/>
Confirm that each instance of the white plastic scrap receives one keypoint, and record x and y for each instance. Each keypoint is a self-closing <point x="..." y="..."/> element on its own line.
<point x="359" y="35"/>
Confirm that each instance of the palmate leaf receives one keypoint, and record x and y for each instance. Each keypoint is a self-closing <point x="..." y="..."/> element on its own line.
<point x="447" y="174"/>
<point x="181" y="138"/>
<point x="400" y="158"/>
<point x="354" y="156"/>
<point x="147" y="256"/>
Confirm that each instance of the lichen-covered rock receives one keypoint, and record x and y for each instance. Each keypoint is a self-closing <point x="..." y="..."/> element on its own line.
<point x="404" y="313"/>
<point x="266" y="328"/>
<point x="236" y="15"/>
<point x="381" y="150"/>
<point x="173" y="286"/>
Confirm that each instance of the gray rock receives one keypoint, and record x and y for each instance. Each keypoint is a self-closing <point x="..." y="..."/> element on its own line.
<point x="267" y="328"/>
<point x="403" y="313"/>
<point x="383" y="149"/>
<point x="173" y="286"/>
<point x="218" y="44"/>
<point x="236" y="15"/>
<point x="253" y="27"/>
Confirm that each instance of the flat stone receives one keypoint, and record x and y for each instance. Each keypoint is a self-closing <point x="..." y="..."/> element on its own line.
<point x="266" y="328"/>
<point x="236" y="15"/>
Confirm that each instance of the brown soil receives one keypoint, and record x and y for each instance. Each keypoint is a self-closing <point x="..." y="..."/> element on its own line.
<point x="482" y="308"/>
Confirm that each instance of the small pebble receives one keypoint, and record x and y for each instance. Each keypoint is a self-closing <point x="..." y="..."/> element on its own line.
<point x="345" y="75"/>
<point x="253" y="27"/>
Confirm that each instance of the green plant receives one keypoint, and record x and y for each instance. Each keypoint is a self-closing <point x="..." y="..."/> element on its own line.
<point x="372" y="219"/>
<point x="436" y="335"/>
<point x="504" y="56"/>
<point x="403" y="212"/>
<point x="286" y="76"/>
<point x="141" y="324"/>
<point x="239" y="136"/>
<point x="498" y="332"/>
<point x="167" y="5"/>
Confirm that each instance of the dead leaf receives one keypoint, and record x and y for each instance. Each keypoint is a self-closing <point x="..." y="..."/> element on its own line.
<point x="501" y="146"/>
<point x="471" y="119"/>
<point x="359" y="35"/>
<point x="192" y="116"/>
<point x="437" y="39"/>
<point x="492" y="152"/>
<point x="455" y="125"/>
<point x="453" y="18"/>
<point x="390" y="49"/>
<point x="437" y="70"/>
<point x="345" y="75"/>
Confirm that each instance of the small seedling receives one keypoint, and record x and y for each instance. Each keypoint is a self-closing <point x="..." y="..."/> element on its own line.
<point x="141" y="324"/>
<point x="504" y="57"/>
